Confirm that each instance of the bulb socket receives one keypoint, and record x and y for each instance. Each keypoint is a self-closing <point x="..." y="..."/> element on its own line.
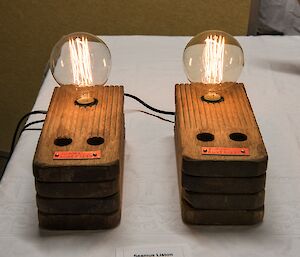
<point x="212" y="97"/>
<point x="85" y="101"/>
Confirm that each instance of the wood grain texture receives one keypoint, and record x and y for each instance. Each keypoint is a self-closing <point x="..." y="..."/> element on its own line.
<point x="81" y="194"/>
<point x="218" y="216"/>
<point x="104" y="205"/>
<point x="233" y="115"/>
<point x="193" y="216"/>
<point x="77" y="189"/>
<point x="223" y="185"/>
<point x="222" y="190"/>
<point x="65" y="119"/>
<point x="79" y="221"/>
<point x="224" y="201"/>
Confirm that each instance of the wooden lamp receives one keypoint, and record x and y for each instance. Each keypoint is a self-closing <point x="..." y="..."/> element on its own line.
<point x="221" y="157"/>
<point x="78" y="163"/>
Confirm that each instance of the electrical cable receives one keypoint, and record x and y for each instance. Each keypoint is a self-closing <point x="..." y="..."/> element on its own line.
<point x="32" y="129"/>
<point x="29" y="124"/>
<point x="147" y="105"/>
<point x="156" y="116"/>
<point x="15" y="136"/>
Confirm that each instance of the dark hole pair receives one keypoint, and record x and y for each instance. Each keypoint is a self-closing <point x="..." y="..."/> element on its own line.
<point x="63" y="141"/>
<point x="210" y="137"/>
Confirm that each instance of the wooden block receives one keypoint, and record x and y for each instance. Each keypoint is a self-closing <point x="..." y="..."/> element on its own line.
<point x="224" y="201"/>
<point x="227" y="124"/>
<point x="79" y="221"/>
<point x="193" y="216"/>
<point x="79" y="206"/>
<point x="87" y="127"/>
<point x="223" y="185"/>
<point x="78" y="189"/>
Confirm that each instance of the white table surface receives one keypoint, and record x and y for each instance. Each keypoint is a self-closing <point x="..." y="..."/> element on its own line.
<point x="149" y="67"/>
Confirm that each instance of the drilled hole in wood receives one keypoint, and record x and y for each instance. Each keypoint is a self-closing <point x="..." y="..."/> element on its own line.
<point x="86" y="102"/>
<point x="62" y="141"/>
<point x="238" y="137"/>
<point x="95" y="141"/>
<point x="205" y="137"/>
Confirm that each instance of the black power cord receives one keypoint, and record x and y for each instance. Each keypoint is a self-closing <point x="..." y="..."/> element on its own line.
<point x="29" y="124"/>
<point x="148" y="106"/>
<point x="16" y="135"/>
<point x="156" y="116"/>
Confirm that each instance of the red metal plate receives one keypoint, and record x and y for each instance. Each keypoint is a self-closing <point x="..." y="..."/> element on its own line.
<point x="76" y="155"/>
<point x="225" y="151"/>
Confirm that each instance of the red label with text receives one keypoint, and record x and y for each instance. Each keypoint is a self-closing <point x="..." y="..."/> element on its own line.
<point x="225" y="151"/>
<point x="76" y="155"/>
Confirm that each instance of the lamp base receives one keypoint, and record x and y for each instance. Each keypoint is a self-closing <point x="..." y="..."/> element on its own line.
<point x="78" y="163"/>
<point x="219" y="148"/>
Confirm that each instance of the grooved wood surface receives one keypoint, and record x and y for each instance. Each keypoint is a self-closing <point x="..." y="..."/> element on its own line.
<point x="233" y="115"/>
<point x="65" y="119"/>
<point x="215" y="196"/>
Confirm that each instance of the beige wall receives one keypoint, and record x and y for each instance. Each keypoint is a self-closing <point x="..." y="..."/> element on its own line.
<point x="29" y="29"/>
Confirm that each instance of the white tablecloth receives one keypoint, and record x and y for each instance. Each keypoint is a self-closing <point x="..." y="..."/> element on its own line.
<point x="149" y="67"/>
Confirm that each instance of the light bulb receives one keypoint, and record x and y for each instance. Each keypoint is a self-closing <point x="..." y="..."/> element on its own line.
<point x="83" y="60"/>
<point x="213" y="58"/>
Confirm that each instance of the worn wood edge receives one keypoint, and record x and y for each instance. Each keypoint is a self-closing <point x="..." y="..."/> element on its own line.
<point x="227" y="168"/>
<point x="241" y="185"/>
<point x="79" y="222"/>
<point x="104" y="205"/>
<point x="191" y="216"/>
<point x="77" y="189"/>
<point x="224" y="201"/>
<point x="58" y="174"/>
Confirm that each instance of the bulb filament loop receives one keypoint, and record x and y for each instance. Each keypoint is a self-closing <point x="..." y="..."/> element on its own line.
<point x="81" y="61"/>
<point x="213" y="59"/>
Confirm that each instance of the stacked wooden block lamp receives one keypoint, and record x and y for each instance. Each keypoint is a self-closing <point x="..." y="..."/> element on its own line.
<point x="221" y="157"/>
<point x="78" y="164"/>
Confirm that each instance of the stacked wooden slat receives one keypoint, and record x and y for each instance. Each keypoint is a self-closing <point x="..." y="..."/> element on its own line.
<point x="221" y="158"/>
<point x="78" y="164"/>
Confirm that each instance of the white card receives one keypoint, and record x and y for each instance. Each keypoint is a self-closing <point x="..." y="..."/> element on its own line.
<point x="153" y="251"/>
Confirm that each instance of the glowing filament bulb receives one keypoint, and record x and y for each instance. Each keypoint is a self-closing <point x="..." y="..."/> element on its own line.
<point x="80" y="61"/>
<point x="213" y="59"/>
